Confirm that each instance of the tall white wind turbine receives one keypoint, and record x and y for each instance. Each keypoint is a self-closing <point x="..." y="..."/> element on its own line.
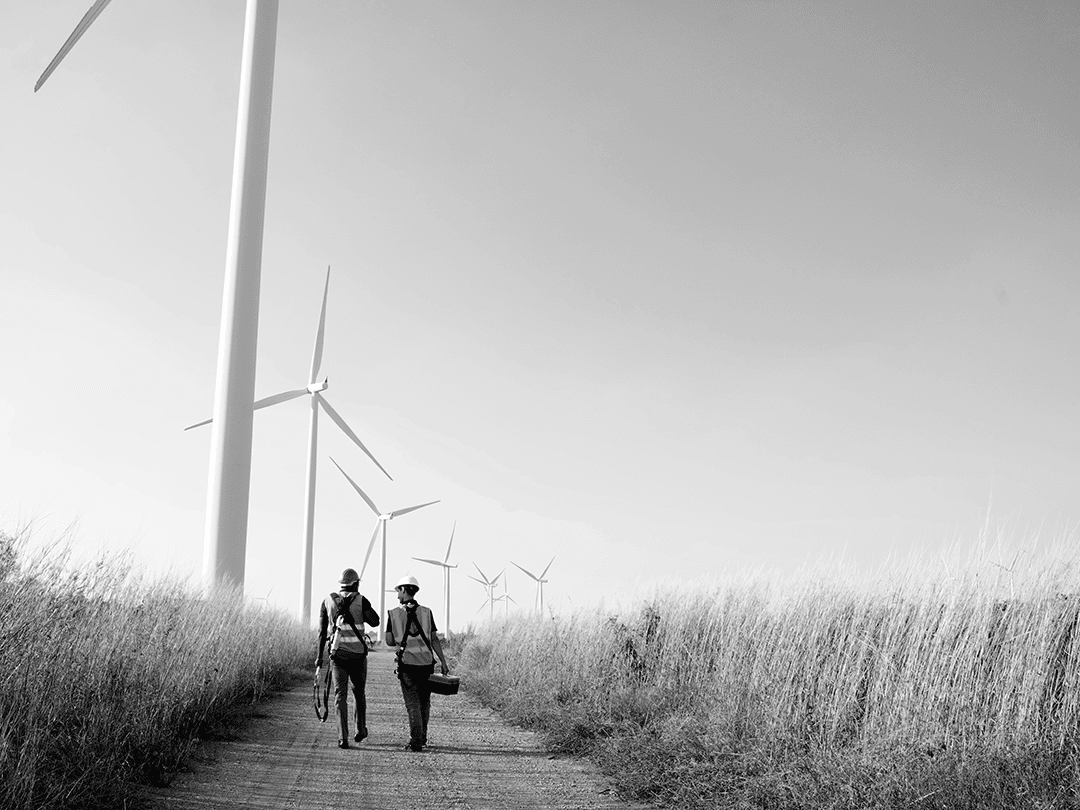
<point x="382" y="519"/>
<point x="539" y="584"/>
<point x="445" y="565"/>
<point x="314" y="389"/>
<point x="229" y="484"/>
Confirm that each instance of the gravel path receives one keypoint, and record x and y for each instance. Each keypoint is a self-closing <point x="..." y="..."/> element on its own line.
<point x="285" y="758"/>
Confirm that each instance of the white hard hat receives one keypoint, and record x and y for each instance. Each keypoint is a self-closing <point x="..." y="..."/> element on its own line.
<point x="408" y="579"/>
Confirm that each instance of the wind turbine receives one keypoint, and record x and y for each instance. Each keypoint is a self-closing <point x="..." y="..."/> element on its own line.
<point x="489" y="585"/>
<point x="383" y="519"/>
<point x="445" y="565"/>
<point x="314" y="389"/>
<point x="506" y="599"/>
<point x="539" y="584"/>
<point x="229" y="483"/>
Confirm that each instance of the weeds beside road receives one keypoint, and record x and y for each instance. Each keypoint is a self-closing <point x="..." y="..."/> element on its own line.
<point x="821" y="693"/>
<point x="107" y="681"/>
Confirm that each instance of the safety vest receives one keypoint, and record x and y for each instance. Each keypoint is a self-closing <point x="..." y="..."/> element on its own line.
<point x="342" y="638"/>
<point x="416" y="650"/>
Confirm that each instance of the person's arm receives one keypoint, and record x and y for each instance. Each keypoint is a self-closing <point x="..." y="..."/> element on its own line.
<point x="370" y="616"/>
<point x="324" y="622"/>
<point x="436" y="645"/>
<point x="388" y="636"/>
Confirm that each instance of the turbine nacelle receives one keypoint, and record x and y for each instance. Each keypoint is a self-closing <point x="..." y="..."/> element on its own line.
<point x="315" y="388"/>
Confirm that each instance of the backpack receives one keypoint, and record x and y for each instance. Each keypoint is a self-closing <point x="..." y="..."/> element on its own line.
<point x="346" y="641"/>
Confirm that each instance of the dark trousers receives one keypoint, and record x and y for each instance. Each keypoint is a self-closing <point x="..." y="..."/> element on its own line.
<point x="355" y="670"/>
<point x="417" y="695"/>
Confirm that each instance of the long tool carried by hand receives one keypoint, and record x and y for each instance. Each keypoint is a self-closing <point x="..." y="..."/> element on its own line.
<point x="322" y="697"/>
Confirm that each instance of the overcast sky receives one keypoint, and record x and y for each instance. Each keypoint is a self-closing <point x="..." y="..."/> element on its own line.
<point x="660" y="289"/>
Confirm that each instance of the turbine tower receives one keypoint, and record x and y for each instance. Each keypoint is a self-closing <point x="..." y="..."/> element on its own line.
<point x="225" y="542"/>
<point x="314" y="389"/>
<point x="445" y="565"/>
<point x="539" y="584"/>
<point x="383" y="519"/>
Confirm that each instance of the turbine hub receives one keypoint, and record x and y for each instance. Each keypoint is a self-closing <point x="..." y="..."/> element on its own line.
<point x="315" y="388"/>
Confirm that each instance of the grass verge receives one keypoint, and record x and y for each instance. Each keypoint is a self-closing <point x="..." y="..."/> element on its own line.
<point x="107" y="681"/>
<point x="819" y="693"/>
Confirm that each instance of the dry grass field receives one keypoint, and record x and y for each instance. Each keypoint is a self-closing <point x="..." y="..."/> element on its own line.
<point x="934" y="688"/>
<point x="106" y="681"/>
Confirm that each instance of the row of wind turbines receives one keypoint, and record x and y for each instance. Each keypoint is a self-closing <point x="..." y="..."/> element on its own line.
<point x="316" y="390"/>
<point x="228" y="487"/>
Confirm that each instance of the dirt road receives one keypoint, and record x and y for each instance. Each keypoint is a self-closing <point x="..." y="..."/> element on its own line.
<point x="286" y="758"/>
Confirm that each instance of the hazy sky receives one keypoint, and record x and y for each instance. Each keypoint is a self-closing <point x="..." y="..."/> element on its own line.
<point x="657" y="288"/>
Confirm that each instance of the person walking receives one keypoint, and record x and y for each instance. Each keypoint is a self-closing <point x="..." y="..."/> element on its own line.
<point x="410" y="628"/>
<point x="344" y="614"/>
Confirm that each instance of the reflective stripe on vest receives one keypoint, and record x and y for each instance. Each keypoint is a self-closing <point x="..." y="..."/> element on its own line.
<point x="344" y="637"/>
<point x="416" y="651"/>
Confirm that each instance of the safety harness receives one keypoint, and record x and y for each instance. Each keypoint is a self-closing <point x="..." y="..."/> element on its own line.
<point x="410" y="620"/>
<point x="322" y="697"/>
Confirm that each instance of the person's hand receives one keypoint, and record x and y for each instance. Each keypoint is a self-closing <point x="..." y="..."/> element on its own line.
<point x="445" y="669"/>
<point x="318" y="661"/>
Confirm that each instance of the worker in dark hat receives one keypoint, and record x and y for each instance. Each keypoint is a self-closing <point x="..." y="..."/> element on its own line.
<point x="344" y="613"/>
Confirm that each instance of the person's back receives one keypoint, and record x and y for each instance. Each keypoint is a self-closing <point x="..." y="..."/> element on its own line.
<point x="411" y="629"/>
<point x="342" y="616"/>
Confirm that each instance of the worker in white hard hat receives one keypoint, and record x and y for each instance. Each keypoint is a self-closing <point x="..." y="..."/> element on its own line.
<point x="341" y="613"/>
<point x="410" y="628"/>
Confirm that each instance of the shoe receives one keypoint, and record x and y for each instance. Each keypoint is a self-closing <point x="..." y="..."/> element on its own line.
<point x="415" y="748"/>
<point x="359" y="736"/>
<point x="342" y="743"/>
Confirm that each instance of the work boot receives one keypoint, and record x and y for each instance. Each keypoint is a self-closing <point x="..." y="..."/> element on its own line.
<point x="342" y="743"/>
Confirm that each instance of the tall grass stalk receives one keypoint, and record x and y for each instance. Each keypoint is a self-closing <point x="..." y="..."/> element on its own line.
<point x="107" y="680"/>
<point x="820" y="691"/>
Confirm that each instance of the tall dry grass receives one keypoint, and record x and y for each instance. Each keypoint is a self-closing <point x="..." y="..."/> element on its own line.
<point x="822" y="691"/>
<point x="107" y="680"/>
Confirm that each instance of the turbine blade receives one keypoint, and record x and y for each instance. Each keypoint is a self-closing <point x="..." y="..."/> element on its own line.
<point x="530" y="573"/>
<point x="370" y="546"/>
<point x="356" y="486"/>
<point x="80" y="29"/>
<point x="348" y="431"/>
<point x="477" y="567"/>
<point x="284" y="396"/>
<point x="482" y="607"/>
<point x="408" y="509"/>
<point x="546" y="569"/>
<point x="316" y="356"/>
<point x="446" y="559"/>
<point x="265" y="402"/>
<point x="474" y="579"/>
<point x="497" y="576"/>
<point x="433" y="562"/>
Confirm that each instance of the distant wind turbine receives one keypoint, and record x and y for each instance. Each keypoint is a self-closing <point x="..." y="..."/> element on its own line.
<point x="539" y="584"/>
<point x="383" y="519"/>
<point x="314" y="389"/>
<point x="445" y="565"/>
<point x="229" y="485"/>
<point x="489" y="586"/>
